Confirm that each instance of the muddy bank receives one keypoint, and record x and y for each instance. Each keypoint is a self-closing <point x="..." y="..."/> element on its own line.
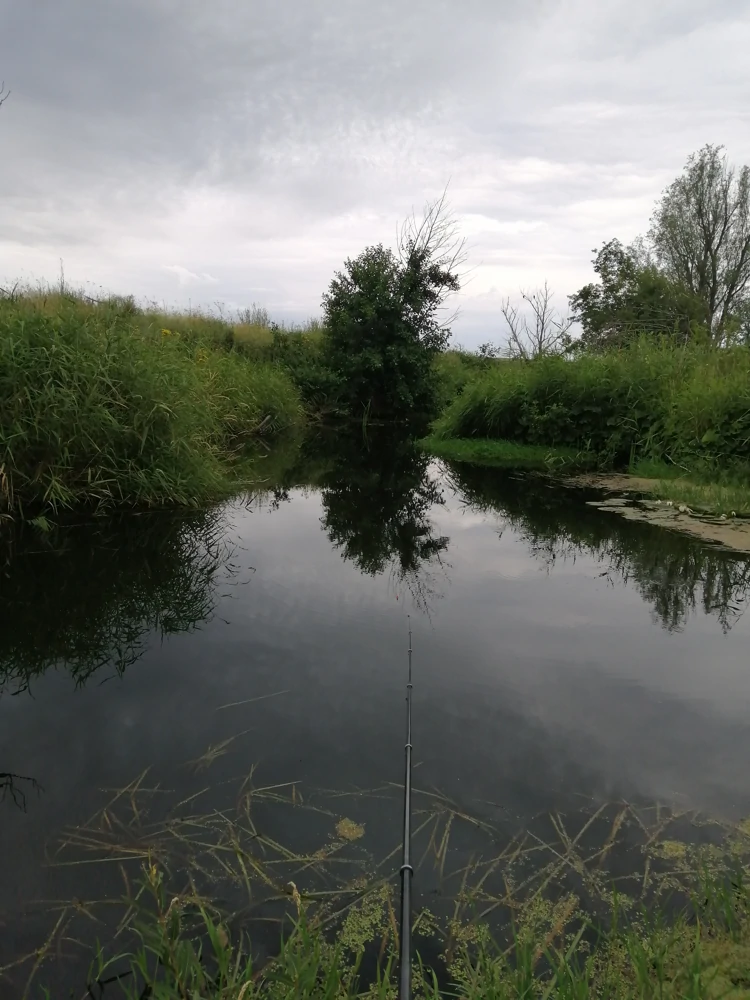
<point x="630" y="497"/>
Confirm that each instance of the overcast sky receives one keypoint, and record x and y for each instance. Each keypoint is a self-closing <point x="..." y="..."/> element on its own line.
<point x="240" y="151"/>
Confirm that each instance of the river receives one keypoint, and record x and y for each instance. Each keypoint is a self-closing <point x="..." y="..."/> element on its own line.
<point x="564" y="659"/>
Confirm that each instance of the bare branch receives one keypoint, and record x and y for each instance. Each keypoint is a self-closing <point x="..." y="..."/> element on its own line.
<point x="432" y="252"/>
<point x="3" y="94"/>
<point x="547" y="333"/>
<point x="434" y="238"/>
<point x="517" y="329"/>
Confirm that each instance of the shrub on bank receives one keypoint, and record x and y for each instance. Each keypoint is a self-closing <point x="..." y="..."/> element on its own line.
<point x="100" y="404"/>
<point x="645" y="401"/>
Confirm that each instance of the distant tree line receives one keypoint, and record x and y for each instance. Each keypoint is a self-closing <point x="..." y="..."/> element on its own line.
<point x="689" y="277"/>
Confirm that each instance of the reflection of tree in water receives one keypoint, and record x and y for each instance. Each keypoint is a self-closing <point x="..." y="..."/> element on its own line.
<point x="90" y="595"/>
<point x="673" y="573"/>
<point x="376" y="500"/>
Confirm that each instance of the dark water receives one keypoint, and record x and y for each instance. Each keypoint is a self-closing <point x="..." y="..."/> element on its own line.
<point x="562" y="656"/>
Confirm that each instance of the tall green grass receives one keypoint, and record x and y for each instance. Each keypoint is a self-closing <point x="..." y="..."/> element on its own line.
<point x="102" y="403"/>
<point x="183" y="949"/>
<point x="508" y="454"/>
<point x="454" y="370"/>
<point x="686" y="405"/>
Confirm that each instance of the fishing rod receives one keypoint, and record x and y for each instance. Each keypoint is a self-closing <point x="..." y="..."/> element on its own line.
<point x="407" y="871"/>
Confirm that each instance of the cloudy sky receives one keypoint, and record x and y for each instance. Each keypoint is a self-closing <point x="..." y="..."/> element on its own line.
<point x="238" y="152"/>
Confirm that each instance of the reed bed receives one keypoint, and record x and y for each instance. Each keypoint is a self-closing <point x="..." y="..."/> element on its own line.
<point x="103" y="404"/>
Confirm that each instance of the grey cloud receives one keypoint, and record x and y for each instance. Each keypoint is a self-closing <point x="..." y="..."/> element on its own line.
<point x="263" y="143"/>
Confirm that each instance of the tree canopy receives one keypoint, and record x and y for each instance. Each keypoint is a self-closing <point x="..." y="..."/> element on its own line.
<point x="700" y="232"/>
<point x="633" y="296"/>
<point x="689" y="277"/>
<point x="382" y="322"/>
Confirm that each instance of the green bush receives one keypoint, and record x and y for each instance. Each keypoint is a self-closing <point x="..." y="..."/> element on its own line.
<point x="647" y="400"/>
<point x="382" y="326"/>
<point x="101" y="405"/>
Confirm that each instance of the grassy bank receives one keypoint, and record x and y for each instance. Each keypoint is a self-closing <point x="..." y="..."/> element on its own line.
<point x="689" y="407"/>
<point x="509" y="454"/>
<point x="677" y="416"/>
<point x="718" y="493"/>
<point x="105" y="403"/>
<point x="102" y="404"/>
<point x="612" y="900"/>
<point x="724" y="499"/>
<point x="184" y="949"/>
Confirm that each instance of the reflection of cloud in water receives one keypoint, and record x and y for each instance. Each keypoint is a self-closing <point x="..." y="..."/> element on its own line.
<point x="675" y="574"/>
<point x="538" y="682"/>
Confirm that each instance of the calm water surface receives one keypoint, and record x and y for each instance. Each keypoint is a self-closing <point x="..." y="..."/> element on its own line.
<point x="562" y="656"/>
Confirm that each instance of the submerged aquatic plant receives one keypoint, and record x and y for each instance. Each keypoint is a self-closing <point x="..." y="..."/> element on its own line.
<point x="213" y="904"/>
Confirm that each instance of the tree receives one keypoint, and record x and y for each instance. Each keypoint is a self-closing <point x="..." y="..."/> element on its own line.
<point x="489" y="351"/>
<point x="633" y="296"/>
<point x="738" y="328"/>
<point x="548" y="333"/>
<point x="700" y="232"/>
<point x="382" y="326"/>
<point x="4" y="95"/>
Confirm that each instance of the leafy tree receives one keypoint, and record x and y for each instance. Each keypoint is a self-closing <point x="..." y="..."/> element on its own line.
<point x="700" y="233"/>
<point x="489" y="351"/>
<point x="382" y="326"/>
<point x="632" y="296"/>
<point x="299" y="352"/>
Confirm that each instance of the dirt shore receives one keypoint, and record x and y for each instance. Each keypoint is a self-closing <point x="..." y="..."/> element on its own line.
<point x="628" y="496"/>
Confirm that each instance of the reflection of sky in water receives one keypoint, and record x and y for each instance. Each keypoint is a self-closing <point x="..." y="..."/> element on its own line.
<point x="534" y="685"/>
